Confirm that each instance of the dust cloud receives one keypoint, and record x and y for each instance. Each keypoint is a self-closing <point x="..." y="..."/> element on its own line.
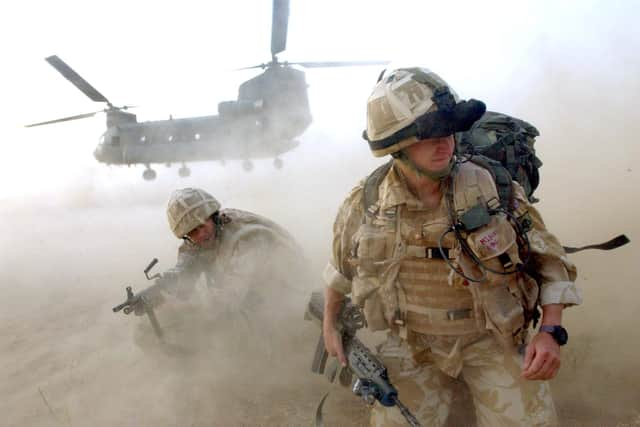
<point x="67" y="255"/>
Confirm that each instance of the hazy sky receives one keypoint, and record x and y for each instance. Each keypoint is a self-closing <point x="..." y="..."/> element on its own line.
<point x="176" y="58"/>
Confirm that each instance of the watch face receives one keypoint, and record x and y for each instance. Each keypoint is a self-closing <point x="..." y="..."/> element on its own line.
<point x="560" y="334"/>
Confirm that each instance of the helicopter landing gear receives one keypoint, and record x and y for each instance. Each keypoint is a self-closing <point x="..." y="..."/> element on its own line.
<point x="277" y="163"/>
<point x="247" y="165"/>
<point x="184" y="171"/>
<point x="149" y="174"/>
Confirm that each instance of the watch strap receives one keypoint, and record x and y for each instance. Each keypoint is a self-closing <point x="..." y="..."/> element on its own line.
<point x="547" y="328"/>
<point x="558" y="333"/>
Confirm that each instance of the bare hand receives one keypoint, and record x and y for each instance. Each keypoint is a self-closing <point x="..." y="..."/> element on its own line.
<point x="333" y="344"/>
<point x="542" y="358"/>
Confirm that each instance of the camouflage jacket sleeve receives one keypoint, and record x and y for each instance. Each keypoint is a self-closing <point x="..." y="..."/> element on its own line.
<point x="251" y="260"/>
<point x="339" y="272"/>
<point x="548" y="261"/>
<point x="181" y="279"/>
<point x="264" y="258"/>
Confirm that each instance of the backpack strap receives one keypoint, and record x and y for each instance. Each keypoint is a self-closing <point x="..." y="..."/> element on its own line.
<point x="500" y="174"/>
<point x="614" y="243"/>
<point x="370" y="190"/>
<point x="501" y="177"/>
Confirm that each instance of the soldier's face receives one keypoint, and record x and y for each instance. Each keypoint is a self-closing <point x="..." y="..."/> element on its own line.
<point x="203" y="232"/>
<point x="432" y="154"/>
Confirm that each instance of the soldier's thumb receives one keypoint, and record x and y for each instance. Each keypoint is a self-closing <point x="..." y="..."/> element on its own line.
<point x="341" y="357"/>
<point x="528" y="357"/>
<point x="343" y="360"/>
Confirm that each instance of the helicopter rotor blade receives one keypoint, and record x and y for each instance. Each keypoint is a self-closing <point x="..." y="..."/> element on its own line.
<point x="263" y="66"/>
<point x="65" y="119"/>
<point x="279" y="23"/>
<point x="68" y="73"/>
<point x="328" y="64"/>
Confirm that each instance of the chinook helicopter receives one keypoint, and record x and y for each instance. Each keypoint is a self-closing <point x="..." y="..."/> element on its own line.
<point x="271" y="111"/>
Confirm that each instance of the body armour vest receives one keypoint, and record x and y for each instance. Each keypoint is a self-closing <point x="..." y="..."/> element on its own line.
<point x="431" y="304"/>
<point x="404" y="283"/>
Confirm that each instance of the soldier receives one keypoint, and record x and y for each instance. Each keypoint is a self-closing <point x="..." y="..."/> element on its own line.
<point x="246" y="261"/>
<point x="433" y="258"/>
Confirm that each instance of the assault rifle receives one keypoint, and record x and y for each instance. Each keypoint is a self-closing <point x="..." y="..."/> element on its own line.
<point x="372" y="381"/>
<point x="145" y="301"/>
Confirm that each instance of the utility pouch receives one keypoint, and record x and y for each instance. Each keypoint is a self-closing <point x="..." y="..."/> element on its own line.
<point x="370" y="250"/>
<point x="370" y="253"/>
<point x="530" y="291"/>
<point x="504" y="298"/>
<point x="374" y="313"/>
<point x="503" y="311"/>
<point x="496" y="238"/>
<point x="366" y="294"/>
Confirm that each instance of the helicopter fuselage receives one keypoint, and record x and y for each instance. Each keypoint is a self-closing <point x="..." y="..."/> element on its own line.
<point x="272" y="110"/>
<point x="193" y="139"/>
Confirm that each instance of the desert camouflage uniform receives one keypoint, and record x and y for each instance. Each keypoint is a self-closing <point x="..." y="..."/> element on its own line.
<point x="429" y="350"/>
<point x="248" y="257"/>
<point x="234" y="294"/>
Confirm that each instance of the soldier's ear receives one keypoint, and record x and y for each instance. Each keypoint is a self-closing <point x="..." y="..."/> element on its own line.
<point x="221" y="219"/>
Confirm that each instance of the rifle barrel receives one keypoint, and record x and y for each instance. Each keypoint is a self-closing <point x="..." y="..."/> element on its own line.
<point x="413" y="422"/>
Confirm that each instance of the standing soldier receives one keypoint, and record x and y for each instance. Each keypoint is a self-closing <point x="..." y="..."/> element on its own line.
<point x="425" y="247"/>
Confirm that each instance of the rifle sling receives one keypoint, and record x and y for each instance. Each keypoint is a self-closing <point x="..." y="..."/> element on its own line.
<point x="318" y="420"/>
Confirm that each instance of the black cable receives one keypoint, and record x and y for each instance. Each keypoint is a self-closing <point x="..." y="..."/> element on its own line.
<point x="477" y="261"/>
<point x="450" y="264"/>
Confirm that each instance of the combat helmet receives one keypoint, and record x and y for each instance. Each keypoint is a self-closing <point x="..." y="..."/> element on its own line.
<point x="188" y="208"/>
<point x="410" y="104"/>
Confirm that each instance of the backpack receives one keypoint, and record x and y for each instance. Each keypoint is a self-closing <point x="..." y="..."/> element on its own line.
<point x="503" y="143"/>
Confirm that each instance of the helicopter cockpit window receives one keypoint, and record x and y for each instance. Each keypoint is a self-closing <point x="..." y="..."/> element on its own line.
<point x="115" y="140"/>
<point x="101" y="139"/>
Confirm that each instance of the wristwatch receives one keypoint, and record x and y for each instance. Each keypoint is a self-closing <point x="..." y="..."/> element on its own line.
<point x="557" y="332"/>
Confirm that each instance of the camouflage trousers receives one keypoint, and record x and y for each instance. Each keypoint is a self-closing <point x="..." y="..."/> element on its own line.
<point x="424" y="379"/>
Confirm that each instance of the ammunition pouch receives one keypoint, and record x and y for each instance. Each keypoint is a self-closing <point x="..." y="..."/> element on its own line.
<point x="507" y="300"/>
<point x="370" y="250"/>
<point x="366" y="293"/>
